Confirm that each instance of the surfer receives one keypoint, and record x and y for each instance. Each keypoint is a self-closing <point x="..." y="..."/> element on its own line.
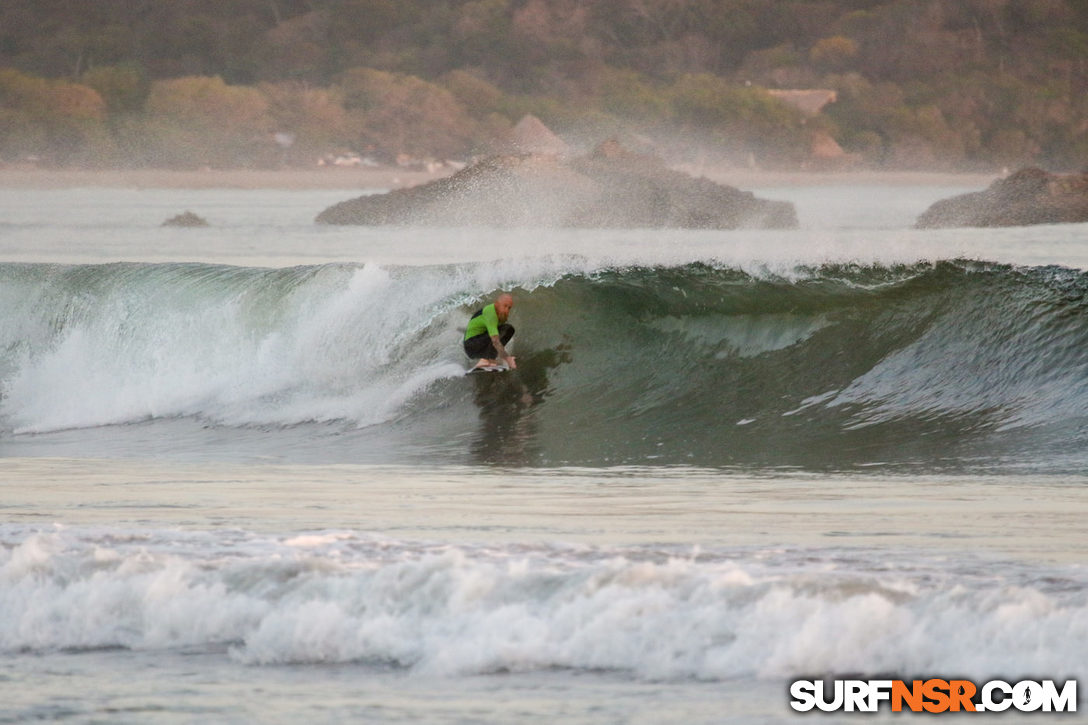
<point x="488" y="332"/>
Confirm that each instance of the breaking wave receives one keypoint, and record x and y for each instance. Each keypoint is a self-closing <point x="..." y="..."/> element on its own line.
<point x="441" y="610"/>
<point x="831" y="366"/>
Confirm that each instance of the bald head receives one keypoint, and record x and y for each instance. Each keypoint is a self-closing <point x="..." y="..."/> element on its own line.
<point x="503" y="304"/>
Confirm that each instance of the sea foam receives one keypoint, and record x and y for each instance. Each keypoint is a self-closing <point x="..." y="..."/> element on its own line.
<point x="444" y="610"/>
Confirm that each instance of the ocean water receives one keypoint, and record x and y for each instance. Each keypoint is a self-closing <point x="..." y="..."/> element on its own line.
<point x="243" y="477"/>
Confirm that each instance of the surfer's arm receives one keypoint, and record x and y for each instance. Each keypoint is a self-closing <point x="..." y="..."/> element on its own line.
<point x="503" y="354"/>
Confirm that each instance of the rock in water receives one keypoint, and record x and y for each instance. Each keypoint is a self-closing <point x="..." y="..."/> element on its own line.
<point x="1030" y="196"/>
<point x="611" y="187"/>
<point x="186" y="219"/>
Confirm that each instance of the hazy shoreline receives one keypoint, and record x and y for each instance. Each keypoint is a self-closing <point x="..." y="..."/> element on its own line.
<point x="390" y="178"/>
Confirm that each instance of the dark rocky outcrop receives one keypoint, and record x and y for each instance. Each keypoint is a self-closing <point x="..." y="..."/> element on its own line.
<point x="611" y="187"/>
<point x="186" y="219"/>
<point x="1029" y="196"/>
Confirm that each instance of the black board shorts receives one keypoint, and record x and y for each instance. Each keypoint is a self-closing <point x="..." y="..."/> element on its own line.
<point x="480" y="346"/>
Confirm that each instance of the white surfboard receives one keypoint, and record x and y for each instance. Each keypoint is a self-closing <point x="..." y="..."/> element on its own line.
<point x="487" y="369"/>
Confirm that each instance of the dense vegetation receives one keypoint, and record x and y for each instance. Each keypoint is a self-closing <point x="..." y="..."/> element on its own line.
<point x="920" y="83"/>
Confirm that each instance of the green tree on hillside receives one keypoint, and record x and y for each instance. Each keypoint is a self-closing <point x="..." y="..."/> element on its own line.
<point x="391" y="111"/>
<point x="56" y="120"/>
<point x="202" y="121"/>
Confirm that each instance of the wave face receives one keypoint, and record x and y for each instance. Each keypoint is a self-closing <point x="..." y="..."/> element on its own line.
<point x="954" y="363"/>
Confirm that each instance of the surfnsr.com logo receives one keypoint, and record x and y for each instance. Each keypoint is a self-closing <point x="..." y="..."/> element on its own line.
<point x="933" y="695"/>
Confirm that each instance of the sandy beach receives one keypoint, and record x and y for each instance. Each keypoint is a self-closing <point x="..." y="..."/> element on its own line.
<point x="316" y="178"/>
<point x="391" y="178"/>
<point x="755" y="178"/>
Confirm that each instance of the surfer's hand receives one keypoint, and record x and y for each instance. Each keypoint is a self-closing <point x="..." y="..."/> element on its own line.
<point x="512" y="362"/>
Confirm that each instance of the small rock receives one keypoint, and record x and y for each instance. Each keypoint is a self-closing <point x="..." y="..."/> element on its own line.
<point x="186" y="219"/>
